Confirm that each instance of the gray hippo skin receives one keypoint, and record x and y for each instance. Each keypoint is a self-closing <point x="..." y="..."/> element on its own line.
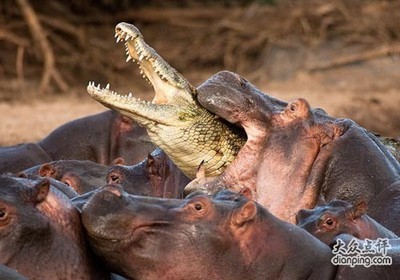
<point x="294" y="154"/>
<point x="328" y="220"/>
<point x="41" y="235"/>
<point x="7" y="273"/>
<point x="223" y="237"/>
<point x="156" y="176"/>
<point x="81" y="175"/>
<point x="100" y="138"/>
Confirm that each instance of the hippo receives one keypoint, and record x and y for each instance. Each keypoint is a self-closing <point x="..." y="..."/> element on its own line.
<point x="155" y="176"/>
<point x="17" y="158"/>
<point x="294" y="153"/>
<point x="226" y="236"/>
<point x="337" y="217"/>
<point x="100" y="138"/>
<point x="7" y="273"/>
<point x="81" y="175"/>
<point x="41" y="235"/>
<point x="60" y="186"/>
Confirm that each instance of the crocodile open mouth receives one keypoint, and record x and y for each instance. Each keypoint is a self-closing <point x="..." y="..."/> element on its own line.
<point x="168" y="84"/>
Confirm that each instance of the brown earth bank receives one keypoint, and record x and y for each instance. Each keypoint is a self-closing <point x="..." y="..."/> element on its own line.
<point x="340" y="56"/>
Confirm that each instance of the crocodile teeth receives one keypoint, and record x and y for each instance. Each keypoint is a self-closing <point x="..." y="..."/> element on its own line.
<point x="128" y="58"/>
<point x="127" y="37"/>
<point x="108" y="86"/>
<point x="130" y="95"/>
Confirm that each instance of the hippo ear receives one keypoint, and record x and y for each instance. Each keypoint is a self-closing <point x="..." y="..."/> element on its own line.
<point x="40" y="190"/>
<point x="245" y="214"/>
<point x="302" y="215"/>
<point x="47" y="170"/>
<point x="246" y="192"/>
<point x="360" y="209"/>
<point x="118" y="161"/>
<point x="125" y="123"/>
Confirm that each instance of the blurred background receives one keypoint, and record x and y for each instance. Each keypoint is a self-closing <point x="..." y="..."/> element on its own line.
<point x="343" y="56"/>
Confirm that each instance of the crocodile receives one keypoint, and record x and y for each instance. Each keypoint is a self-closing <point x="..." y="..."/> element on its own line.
<point x="187" y="132"/>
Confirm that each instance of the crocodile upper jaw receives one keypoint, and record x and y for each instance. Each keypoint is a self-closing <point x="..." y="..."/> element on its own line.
<point x="170" y="86"/>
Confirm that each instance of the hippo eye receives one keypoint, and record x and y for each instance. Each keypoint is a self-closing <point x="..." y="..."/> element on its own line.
<point x="113" y="178"/>
<point x="198" y="207"/>
<point x="3" y="214"/>
<point x="330" y="223"/>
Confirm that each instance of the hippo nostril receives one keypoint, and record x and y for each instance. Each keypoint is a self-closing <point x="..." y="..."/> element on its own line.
<point x="114" y="191"/>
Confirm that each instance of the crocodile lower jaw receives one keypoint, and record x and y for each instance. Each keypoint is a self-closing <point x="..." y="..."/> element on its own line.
<point x="112" y="98"/>
<point x="135" y="108"/>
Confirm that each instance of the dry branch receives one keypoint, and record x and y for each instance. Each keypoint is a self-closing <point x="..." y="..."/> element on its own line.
<point x="50" y="71"/>
<point x="356" y="58"/>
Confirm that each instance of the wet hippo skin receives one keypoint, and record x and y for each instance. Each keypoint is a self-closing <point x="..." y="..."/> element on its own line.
<point x="294" y="153"/>
<point x="326" y="221"/>
<point x="156" y="176"/>
<point x="226" y="236"/>
<point x="81" y="175"/>
<point x="41" y="235"/>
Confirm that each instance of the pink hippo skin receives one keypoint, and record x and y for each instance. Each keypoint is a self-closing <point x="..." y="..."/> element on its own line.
<point x="81" y="175"/>
<point x="223" y="237"/>
<point x="328" y="220"/>
<point x="40" y="232"/>
<point x="294" y="154"/>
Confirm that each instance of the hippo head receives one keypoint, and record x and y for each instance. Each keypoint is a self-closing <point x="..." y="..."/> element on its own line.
<point x="133" y="179"/>
<point x="329" y="220"/>
<point x="293" y="153"/>
<point x="155" y="176"/>
<point x="153" y="238"/>
<point x="80" y="175"/>
<point x="40" y="231"/>
<point x="19" y="212"/>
